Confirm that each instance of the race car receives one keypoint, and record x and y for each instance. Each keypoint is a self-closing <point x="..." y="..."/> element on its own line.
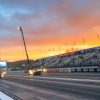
<point x="35" y="71"/>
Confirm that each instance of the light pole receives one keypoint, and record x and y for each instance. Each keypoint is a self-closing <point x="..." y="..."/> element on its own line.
<point x="59" y="48"/>
<point x="20" y="29"/>
<point x="98" y="39"/>
<point x="74" y="44"/>
<point x="0" y="56"/>
<point x="53" y="49"/>
<point x="84" y="43"/>
<point x="66" y="46"/>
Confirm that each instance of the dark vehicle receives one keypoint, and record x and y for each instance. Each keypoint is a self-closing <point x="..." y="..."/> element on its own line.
<point x="35" y="71"/>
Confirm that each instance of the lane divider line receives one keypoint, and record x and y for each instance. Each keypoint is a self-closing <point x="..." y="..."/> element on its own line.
<point x="86" y="80"/>
<point x="4" y="97"/>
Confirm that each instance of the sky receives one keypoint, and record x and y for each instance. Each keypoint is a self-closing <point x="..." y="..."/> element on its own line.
<point x="50" y="27"/>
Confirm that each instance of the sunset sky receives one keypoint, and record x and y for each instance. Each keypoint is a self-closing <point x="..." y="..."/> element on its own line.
<point x="50" y="27"/>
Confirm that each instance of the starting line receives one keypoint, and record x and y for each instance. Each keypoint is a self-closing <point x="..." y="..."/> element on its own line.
<point x="4" y="97"/>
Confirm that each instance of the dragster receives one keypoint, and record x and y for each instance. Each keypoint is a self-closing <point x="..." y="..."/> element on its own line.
<point x="35" y="71"/>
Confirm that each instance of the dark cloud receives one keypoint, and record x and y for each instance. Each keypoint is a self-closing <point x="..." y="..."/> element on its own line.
<point x="48" y="22"/>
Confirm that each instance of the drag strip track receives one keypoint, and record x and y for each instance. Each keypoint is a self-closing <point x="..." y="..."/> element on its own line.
<point x="92" y="92"/>
<point x="10" y="94"/>
<point x="53" y="79"/>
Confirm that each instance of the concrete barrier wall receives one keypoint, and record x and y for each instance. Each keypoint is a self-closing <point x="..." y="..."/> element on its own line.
<point x="74" y="69"/>
<point x="59" y="70"/>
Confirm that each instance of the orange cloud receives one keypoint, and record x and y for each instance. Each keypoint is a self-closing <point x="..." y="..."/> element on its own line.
<point x="47" y="26"/>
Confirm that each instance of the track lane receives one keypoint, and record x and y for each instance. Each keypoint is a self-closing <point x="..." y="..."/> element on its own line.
<point x="65" y="88"/>
<point x="81" y="89"/>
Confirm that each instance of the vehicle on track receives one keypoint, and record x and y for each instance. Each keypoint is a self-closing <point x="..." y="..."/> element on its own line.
<point x="35" y="71"/>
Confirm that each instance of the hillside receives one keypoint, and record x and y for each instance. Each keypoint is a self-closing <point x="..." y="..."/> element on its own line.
<point x="19" y="63"/>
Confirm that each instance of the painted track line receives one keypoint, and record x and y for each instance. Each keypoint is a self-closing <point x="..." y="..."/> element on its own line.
<point x="56" y="78"/>
<point x="4" y="97"/>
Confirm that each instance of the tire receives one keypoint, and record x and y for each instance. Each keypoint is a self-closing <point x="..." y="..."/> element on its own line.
<point x="38" y="73"/>
<point x="0" y="76"/>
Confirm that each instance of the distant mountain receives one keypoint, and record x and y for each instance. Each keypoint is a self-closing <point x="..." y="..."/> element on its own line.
<point x="19" y="63"/>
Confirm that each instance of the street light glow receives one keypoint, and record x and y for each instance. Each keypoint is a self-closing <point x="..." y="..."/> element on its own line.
<point x="19" y="28"/>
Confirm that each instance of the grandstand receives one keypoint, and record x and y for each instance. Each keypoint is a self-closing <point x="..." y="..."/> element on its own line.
<point x="81" y="60"/>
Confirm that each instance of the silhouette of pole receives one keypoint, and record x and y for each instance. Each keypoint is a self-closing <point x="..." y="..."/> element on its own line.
<point x="53" y="49"/>
<point x="20" y="28"/>
<point x="74" y="44"/>
<point x="84" y="42"/>
<point x="0" y="56"/>
<point x="59" y="47"/>
<point x="98" y="39"/>
<point x="66" y="46"/>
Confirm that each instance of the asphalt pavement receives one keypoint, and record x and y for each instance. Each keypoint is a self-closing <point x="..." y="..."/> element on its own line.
<point x="53" y="86"/>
